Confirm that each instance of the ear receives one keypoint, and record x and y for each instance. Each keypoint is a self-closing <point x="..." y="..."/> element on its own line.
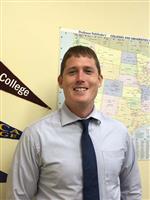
<point x="60" y="80"/>
<point x="100" y="77"/>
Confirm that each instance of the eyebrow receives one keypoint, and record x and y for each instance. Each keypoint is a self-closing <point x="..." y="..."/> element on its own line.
<point x="74" y="67"/>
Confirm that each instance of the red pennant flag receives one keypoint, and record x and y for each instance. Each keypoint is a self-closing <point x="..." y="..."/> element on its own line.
<point x="11" y="84"/>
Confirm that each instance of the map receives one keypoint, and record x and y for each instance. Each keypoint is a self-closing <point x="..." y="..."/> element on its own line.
<point x="125" y="93"/>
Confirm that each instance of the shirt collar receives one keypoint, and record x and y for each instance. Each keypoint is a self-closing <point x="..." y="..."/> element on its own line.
<point x="67" y="117"/>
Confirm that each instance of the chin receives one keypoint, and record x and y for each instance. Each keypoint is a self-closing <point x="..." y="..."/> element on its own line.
<point x="79" y="100"/>
<point x="82" y="102"/>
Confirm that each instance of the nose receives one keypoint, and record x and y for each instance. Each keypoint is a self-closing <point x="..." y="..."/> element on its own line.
<point x="80" y="75"/>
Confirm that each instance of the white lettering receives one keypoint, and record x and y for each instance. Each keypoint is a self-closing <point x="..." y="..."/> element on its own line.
<point x="26" y="92"/>
<point x="14" y="85"/>
<point x="5" y="75"/>
<point x="7" y="81"/>
<point x="17" y="86"/>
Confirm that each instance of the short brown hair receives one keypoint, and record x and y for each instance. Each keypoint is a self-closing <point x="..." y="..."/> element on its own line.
<point x="80" y="51"/>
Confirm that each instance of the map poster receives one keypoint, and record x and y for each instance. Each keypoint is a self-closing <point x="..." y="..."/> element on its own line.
<point x="125" y="93"/>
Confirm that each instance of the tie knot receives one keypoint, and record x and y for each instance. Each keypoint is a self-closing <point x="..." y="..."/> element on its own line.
<point x="85" y="123"/>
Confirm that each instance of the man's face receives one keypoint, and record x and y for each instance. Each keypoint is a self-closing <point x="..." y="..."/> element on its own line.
<point x="80" y="81"/>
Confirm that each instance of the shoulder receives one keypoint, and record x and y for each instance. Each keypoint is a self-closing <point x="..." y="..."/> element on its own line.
<point x="113" y="124"/>
<point x="44" y="124"/>
<point x="115" y="131"/>
<point x="47" y="120"/>
<point x="107" y="120"/>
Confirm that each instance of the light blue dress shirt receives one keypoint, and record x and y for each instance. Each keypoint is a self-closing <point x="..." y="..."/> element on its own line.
<point x="47" y="164"/>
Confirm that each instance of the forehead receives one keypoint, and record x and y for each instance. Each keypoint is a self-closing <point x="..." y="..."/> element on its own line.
<point x="75" y="61"/>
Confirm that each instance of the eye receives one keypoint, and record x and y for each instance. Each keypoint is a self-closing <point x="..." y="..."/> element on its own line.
<point x="88" y="70"/>
<point x="72" y="72"/>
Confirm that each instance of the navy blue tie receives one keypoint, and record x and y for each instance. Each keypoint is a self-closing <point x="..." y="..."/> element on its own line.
<point x="89" y="164"/>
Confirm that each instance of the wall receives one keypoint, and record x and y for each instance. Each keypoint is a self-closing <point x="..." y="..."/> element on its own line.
<point x="30" y="49"/>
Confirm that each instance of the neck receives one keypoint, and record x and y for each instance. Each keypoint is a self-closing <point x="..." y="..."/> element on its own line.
<point x="81" y="110"/>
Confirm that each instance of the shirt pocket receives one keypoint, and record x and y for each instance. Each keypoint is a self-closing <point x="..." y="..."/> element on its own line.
<point x="113" y="161"/>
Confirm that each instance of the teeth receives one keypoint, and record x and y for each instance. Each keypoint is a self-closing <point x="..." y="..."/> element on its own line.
<point x="80" y="89"/>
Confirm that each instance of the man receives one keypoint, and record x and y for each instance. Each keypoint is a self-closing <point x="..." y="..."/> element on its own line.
<point x="48" y="161"/>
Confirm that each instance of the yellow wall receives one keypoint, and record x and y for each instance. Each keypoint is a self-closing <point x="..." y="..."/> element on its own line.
<point x="30" y="49"/>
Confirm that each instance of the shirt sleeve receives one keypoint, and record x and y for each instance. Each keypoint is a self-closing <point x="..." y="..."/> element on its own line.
<point x="24" y="172"/>
<point x="130" y="183"/>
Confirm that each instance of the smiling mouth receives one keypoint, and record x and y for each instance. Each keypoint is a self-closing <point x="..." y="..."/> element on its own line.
<point x="80" y="89"/>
